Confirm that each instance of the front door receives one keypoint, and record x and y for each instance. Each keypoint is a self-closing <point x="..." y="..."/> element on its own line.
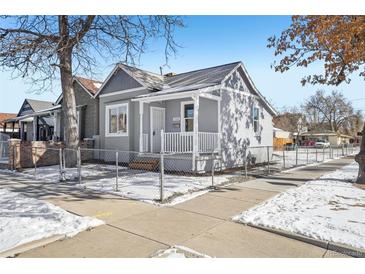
<point x="157" y="124"/>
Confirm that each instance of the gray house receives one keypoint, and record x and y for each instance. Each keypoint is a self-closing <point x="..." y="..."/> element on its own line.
<point x="87" y="108"/>
<point x="212" y="110"/>
<point x="35" y="123"/>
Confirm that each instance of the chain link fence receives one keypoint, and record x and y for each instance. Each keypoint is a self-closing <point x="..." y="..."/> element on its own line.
<point x="265" y="160"/>
<point x="164" y="176"/>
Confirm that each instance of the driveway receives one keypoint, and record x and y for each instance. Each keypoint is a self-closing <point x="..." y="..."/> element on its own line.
<point x="137" y="229"/>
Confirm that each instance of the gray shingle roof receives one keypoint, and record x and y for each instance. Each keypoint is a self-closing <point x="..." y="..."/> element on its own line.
<point x="38" y="105"/>
<point x="150" y="79"/>
<point x="210" y="75"/>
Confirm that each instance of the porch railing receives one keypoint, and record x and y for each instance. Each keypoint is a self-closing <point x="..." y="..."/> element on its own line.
<point x="145" y="142"/>
<point x="183" y="142"/>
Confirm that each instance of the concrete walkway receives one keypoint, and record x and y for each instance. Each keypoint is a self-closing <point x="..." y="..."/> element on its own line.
<point x="136" y="229"/>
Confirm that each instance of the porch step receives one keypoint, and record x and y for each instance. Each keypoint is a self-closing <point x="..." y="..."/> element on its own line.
<point x="145" y="164"/>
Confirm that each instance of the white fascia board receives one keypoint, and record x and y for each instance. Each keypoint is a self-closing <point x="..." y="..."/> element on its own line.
<point x="122" y="91"/>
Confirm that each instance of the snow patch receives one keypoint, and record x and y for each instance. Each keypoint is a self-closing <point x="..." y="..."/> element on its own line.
<point x="23" y="220"/>
<point x="328" y="209"/>
<point x="178" y="251"/>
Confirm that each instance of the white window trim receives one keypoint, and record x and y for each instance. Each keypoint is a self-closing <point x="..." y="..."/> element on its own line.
<point x="107" y="108"/>
<point x="258" y="119"/>
<point x="182" y="116"/>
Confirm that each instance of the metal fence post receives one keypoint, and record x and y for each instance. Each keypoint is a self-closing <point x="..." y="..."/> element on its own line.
<point x="117" y="170"/>
<point x="60" y="164"/>
<point x="324" y="154"/>
<point x="213" y="167"/>
<point x="284" y="157"/>
<point x="35" y="161"/>
<point x="162" y="166"/>
<point x="13" y="162"/>
<point x="343" y="152"/>
<point x="316" y="155"/>
<point x="296" y="155"/>
<point x="307" y="156"/>
<point x="268" y="159"/>
<point x="78" y="154"/>
<point x="245" y="162"/>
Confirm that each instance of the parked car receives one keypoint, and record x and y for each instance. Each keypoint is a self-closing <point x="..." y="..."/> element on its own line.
<point x="322" y="143"/>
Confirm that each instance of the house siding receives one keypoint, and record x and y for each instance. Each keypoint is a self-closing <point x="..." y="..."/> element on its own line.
<point x="126" y="143"/>
<point x="236" y="122"/>
<point x="208" y="114"/>
<point x="120" y="81"/>
<point x="89" y="114"/>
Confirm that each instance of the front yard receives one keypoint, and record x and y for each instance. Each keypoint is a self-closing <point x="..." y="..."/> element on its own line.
<point x="330" y="209"/>
<point x="134" y="184"/>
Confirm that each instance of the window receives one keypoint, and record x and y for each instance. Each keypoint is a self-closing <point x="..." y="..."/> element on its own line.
<point x="116" y="120"/>
<point x="255" y="119"/>
<point x="187" y="116"/>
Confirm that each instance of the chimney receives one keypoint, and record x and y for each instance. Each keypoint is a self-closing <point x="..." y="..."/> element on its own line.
<point x="170" y="74"/>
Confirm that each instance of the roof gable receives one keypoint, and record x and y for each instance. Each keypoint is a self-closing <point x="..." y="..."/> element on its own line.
<point x="30" y="106"/>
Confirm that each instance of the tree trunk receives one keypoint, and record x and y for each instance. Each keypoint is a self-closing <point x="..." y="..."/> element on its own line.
<point x="360" y="158"/>
<point x="69" y="102"/>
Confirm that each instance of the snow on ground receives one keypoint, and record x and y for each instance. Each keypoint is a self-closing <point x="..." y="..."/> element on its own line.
<point x="178" y="251"/>
<point x="328" y="209"/>
<point x="23" y="220"/>
<point x="133" y="184"/>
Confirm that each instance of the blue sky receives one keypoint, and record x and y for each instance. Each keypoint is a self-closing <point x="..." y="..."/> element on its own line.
<point x="210" y="41"/>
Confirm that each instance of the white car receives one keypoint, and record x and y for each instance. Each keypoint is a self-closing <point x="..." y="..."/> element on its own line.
<point x="322" y="143"/>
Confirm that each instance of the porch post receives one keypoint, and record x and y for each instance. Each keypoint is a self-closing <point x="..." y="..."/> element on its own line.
<point x="21" y="130"/>
<point x="141" y="126"/>
<point x="195" y="130"/>
<point x="219" y="126"/>
<point x="35" y="126"/>
<point x="55" y="125"/>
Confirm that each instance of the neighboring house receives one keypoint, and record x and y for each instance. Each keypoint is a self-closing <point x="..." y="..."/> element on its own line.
<point x="34" y="120"/>
<point x="9" y="128"/>
<point x="200" y="112"/>
<point x="87" y="108"/>
<point x="282" y="138"/>
<point x="333" y="138"/>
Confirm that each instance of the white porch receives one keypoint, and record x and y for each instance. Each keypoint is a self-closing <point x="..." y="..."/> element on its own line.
<point x="186" y="137"/>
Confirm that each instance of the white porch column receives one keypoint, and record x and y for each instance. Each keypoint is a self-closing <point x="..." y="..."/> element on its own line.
<point x="219" y="125"/>
<point x="55" y="126"/>
<point x="195" y="129"/>
<point x="35" y="126"/>
<point x="141" y="126"/>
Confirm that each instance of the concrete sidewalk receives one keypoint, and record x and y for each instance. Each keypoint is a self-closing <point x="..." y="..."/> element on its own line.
<point x="136" y="229"/>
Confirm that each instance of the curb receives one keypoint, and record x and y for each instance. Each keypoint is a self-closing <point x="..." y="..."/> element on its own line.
<point x="340" y="248"/>
<point x="31" y="245"/>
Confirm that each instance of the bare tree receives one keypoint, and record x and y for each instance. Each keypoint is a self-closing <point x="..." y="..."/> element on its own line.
<point x="43" y="47"/>
<point x="337" y="42"/>
<point x="331" y="112"/>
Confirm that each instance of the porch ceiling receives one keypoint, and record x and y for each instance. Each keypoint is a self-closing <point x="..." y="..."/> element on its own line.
<point x="179" y="92"/>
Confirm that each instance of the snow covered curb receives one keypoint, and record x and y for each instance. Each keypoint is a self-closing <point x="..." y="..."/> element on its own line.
<point x="24" y="220"/>
<point x="330" y="210"/>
